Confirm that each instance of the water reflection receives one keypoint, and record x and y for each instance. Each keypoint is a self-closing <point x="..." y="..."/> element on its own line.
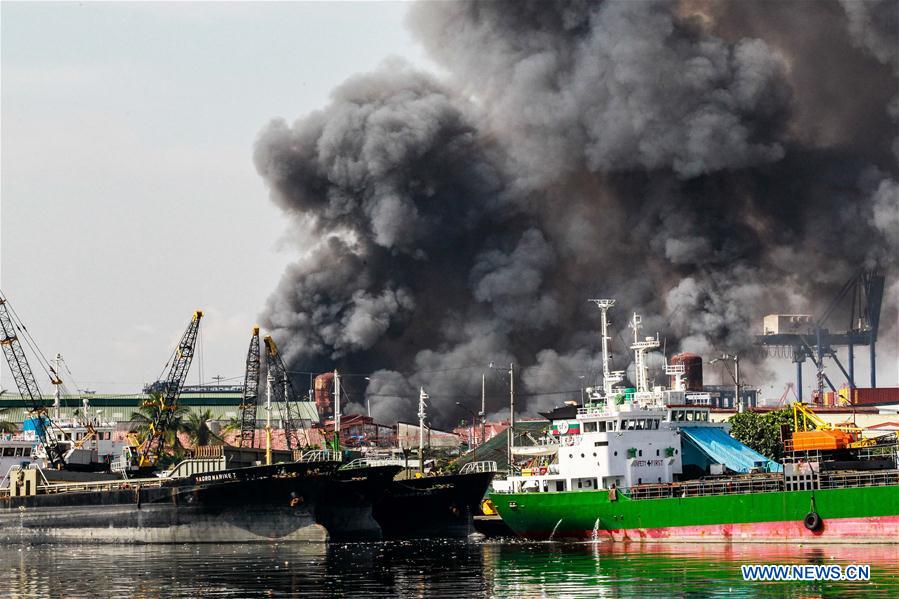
<point x="437" y="569"/>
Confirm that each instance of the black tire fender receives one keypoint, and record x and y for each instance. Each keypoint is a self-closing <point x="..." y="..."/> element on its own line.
<point x="812" y="521"/>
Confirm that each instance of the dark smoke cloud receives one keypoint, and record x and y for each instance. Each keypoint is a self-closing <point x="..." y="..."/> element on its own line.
<point x="704" y="163"/>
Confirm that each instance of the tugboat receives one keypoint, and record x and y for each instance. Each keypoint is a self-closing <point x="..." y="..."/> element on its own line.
<point x="614" y="470"/>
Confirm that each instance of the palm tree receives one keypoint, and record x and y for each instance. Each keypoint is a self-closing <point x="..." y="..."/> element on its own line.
<point x="197" y="428"/>
<point x="149" y="413"/>
<point x="5" y="425"/>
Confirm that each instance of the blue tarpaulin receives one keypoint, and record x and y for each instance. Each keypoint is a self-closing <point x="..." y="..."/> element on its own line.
<point x="721" y="448"/>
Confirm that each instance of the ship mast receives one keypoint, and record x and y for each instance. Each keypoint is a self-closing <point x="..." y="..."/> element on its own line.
<point x="422" y="397"/>
<point x="609" y="378"/>
<point x="641" y="370"/>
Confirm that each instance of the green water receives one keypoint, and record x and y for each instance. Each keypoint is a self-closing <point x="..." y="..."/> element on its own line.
<point x="430" y="569"/>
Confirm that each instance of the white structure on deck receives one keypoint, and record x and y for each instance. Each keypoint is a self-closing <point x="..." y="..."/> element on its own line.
<point x="618" y="439"/>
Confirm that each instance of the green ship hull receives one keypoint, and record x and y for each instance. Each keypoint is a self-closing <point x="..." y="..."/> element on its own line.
<point x="857" y="515"/>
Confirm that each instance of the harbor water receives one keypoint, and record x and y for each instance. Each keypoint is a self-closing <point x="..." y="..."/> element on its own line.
<point x="431" y="569"/>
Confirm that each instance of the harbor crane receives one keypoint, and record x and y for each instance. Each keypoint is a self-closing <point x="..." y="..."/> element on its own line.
<point x="250" y="398"/>
<point x="25" y="381"/>
<point x="166" y="401"/>
<point x="860" y="301"/>
<point x="285" y="395"/>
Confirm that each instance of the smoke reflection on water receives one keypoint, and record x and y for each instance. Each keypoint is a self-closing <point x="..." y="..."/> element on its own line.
<point x="434" y="569"/>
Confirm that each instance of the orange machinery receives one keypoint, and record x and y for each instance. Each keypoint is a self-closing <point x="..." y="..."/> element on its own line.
<point x="825" y="435"/>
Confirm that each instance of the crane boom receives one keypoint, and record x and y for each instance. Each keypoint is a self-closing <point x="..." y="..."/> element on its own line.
<point x="26" y="383"/>
<point x="250" y="393"/>
<point x="284" y="394"/>
<point x="167" y="401"/>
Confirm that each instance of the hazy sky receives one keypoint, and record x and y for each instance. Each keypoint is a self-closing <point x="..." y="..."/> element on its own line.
<point x="129" y="197"/>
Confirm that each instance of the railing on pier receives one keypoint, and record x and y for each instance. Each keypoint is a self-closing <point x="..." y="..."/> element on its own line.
<point x="476" y="467"/>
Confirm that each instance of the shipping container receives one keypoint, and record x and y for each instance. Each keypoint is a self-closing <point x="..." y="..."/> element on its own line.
<point x="881" y="395"/>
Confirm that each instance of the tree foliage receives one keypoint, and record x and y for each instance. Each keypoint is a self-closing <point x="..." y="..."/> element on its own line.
<point x="197" y="428"/>
<point x="761" y="431"/>
<point x="5" y="425"/>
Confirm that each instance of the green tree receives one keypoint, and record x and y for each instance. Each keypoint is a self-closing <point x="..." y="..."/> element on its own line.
<point x="5" y="425"/>
<point x="761" y="430"/>
<point x="197" y="428"/>
<point x="149" y="413"/>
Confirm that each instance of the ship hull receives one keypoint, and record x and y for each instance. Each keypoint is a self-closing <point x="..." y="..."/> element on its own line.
<point x="848" y="515"/>
<point x="247" y="505"/>
<point x="432" y="506"/>
<point x="345" y="507"/>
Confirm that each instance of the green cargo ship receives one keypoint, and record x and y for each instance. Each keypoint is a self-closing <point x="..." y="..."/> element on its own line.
<point x="648" y="464"/>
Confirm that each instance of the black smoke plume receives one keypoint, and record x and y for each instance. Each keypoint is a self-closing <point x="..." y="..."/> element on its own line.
<point x="704" y="163"/>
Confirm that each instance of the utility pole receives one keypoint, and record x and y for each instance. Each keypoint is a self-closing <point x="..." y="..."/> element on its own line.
<point x="422" y="397"/>
<point x="483" y="413"/>
<point x="336" y="410"/>
<point x="268" y="418"/>
<point x="511" y="412"/>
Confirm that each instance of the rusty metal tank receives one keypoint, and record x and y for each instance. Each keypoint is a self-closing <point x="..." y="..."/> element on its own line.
<point x="692" y="370"/>
<point x="323" y="394"/>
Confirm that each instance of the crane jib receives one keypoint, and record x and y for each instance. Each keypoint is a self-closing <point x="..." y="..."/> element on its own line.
<point x="152" y="447"/>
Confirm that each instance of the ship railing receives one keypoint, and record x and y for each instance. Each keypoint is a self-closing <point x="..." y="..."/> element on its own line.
<point x="477" y="467"/>
<point x="321" y="455"/>
<point x="600" y="410"/>
<point x="357" y="463"/>
<point x="874" y="478"/>
<point x="755" y="484"/>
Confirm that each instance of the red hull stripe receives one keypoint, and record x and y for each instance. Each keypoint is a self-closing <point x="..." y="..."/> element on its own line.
<point x="881" y="529"/>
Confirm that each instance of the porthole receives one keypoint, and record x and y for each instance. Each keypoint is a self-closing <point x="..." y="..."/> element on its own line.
<point x="616" y="453"/>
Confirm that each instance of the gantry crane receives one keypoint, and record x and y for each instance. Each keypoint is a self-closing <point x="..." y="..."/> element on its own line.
<point x="25" y="381"/>
<point x="250" y="397"/>
<point x="166" y="401"/>
<point x="285" y="395"/>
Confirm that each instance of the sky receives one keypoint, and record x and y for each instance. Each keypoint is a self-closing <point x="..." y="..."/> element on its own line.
<point x="128" y="194"/>
<point x="129" y="198"/>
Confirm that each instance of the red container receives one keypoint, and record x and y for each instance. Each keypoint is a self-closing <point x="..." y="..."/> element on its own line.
<point x="693" y="370"/>
<point x="866" y="396"/>
<point x="323" y="390"/>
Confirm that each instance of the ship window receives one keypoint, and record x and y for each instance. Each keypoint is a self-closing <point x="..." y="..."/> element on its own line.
<point x="601" y="426"/>
<point x="8" y="451"/>
<point x="657" y="453"/>
<point x="570" y="455"/>
<point x="639" y="481"/>
<point x="589" y="427"/>
<point x="641" y="453"/>
<point x="689" y="415"/>
<point x="601" y="444"/>
<point x="560" y="485"/>
<point x="660" y="479"/>
<point x="655" y="425"/>
<point x="579" y="484"/>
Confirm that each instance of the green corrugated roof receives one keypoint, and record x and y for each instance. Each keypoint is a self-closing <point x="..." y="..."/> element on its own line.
<point x="494" y="450"/>
<point x="120" y="408"/>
